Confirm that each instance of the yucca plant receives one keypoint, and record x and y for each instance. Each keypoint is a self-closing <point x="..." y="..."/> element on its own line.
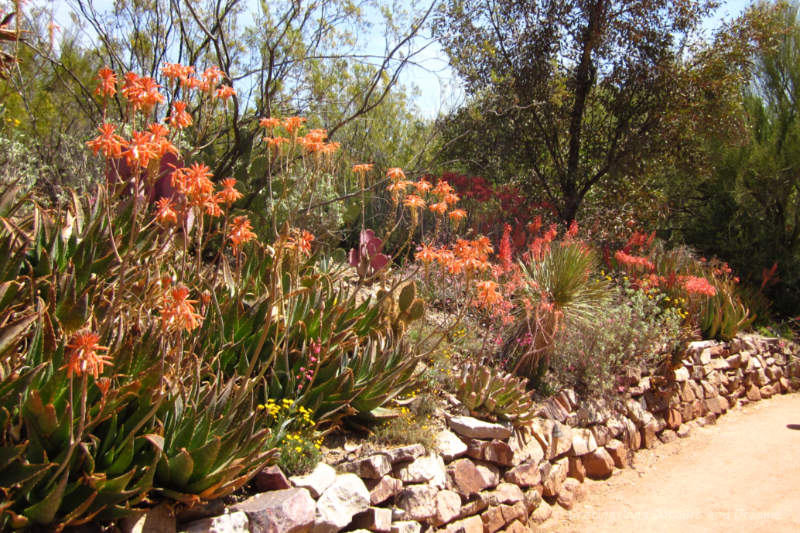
<point x="559" y="287"/>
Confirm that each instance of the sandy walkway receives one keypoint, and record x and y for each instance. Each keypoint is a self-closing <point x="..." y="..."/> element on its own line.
<point x="742" y="474"/>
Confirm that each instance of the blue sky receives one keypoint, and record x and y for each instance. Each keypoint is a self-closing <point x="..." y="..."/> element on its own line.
<point x="438" y="88"/>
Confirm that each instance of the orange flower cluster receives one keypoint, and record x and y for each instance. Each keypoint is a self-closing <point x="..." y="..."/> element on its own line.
<point x="314" y="142"/>
<point x="634" y="262"/>
<point x="541" y="244"/>
<point x="142" y="92"/>
<point x="177" y="310"/>
<point x="488" y="294"/>
<point x="207" y="82"/>
<point x="363" y="168"/>
<point x="83" y="357"/>
<point x="179" y="118"/>
<point x="464" y="256"/>
<point x="300" y="241"/>
<point x="698" y="285"/>
<point x="195" y="183"/>
<point x="241" y="232"/>
<point x="107" y="83"/>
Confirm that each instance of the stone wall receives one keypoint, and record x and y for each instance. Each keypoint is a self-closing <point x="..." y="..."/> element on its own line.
<point x="481" y="478"/>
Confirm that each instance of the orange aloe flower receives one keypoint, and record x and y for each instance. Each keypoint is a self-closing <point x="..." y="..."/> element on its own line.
<point x="165" y="211"/>
<point x="174" y="71"/>
<point x="442" y="189"/>
<point x="488" y="295"/>
<point x="398" y="186"/>
<point x="225" y="92"/>
<point x="423" y="186"/>
<point x="107" y="85"/>
<point x="141" y="150"/>
<point x="241" y="232"/>
<point x="456" y="215"/>
<point x="179" y="118"/>
<point x="107" y="142"/>
<point x="302" y="241"/>
<point x="292" y="124"/>
<point x="212" y="75"/>
<point x="363" y="168"/>
<point x="275" y="142"/>
<point x="159" y="140"/>
<point x="439" y="208"/>
<point x="426" y="254"/>
<point x="396" y="174"/>
<point x="177" y="311"/>
<point x="228" y="194"/>
<point x="269" y="123"/>
<point x="413" y="201"/>
<point x="451" y="198"/>
<point x="83" y="357"/>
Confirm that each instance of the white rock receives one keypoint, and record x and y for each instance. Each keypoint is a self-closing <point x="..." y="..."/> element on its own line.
<point x="317" y="480"/>
<point x="473" y="428"/>
<point x="345" y="498"/>
<point x="235" y="522"/>
<point x="426" y="469"/>
<point x="449" y="445"/>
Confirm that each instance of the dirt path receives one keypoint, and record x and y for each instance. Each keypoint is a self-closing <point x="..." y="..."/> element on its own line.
<point x="742" y="474"/>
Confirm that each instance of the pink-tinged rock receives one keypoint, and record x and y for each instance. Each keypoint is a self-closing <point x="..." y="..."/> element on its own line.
<point x="673" y="418"/>
<point x="553" y="410"/>
<point x="683" y="431"/>
<point x="601" y="434"/>
<point x="474" y="507"/>
<point x="470" y="427"/>
<point x="471" y="478"/>
<point x="526" y="447"/>
<point x="717" y="405"/>
<point x="406" y="526"/>
<point x="598" y="464"/>
<point x="533" y="497"/>
<point x="317" y="480"/>
<point x="667" y="436"/>
<point x="583" y="442"/>
<point x="526" y="475"/>
<point x="516" y="527"/>
<point x="542" y="513"/>
<point x="426" y="469"/>
<point x="372" y="467"/>
<point x="289" y="510"/>
<point x="576" y="469"/>
<point x="554" y="478"/>
<point x="418" y="501"/>
<point x="374" y="519"/>
<point x="513" y="512"/>
<point x="766" y="392"/>
<point x="495" y="518"/>
<point x="472" y="524"/>
<point x="475" y="448"/>
<point x="571" y="492"/>
<point x="499" y="453"/>
<point x="448" y="507"/>
<point x="449" y="446"/>
<point x="785" y="385"/>
<point x="649" y="439"/>
<point x="345" y="498"/>
<point x="404" y="453"/>
<point x="505" y="493"/>
<point x="753" y="394"/>
<point x="383" y="489"/>
<point x="619" y="453"/>
<point x="236" y="522"/>
<point x="271" y="478"/>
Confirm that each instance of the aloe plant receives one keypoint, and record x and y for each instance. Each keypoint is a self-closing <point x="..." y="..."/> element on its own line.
<point x="489" y="392"/>
<point x="723" y="315"/>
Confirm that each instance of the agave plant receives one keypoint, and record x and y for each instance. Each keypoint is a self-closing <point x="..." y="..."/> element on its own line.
<point x="488" y="392"/>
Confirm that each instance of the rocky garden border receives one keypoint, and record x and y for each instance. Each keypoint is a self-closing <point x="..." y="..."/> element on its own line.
<point x="482" y="477"/>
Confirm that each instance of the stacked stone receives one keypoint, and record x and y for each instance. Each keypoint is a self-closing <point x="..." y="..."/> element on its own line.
<point x="482" y="477"/>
